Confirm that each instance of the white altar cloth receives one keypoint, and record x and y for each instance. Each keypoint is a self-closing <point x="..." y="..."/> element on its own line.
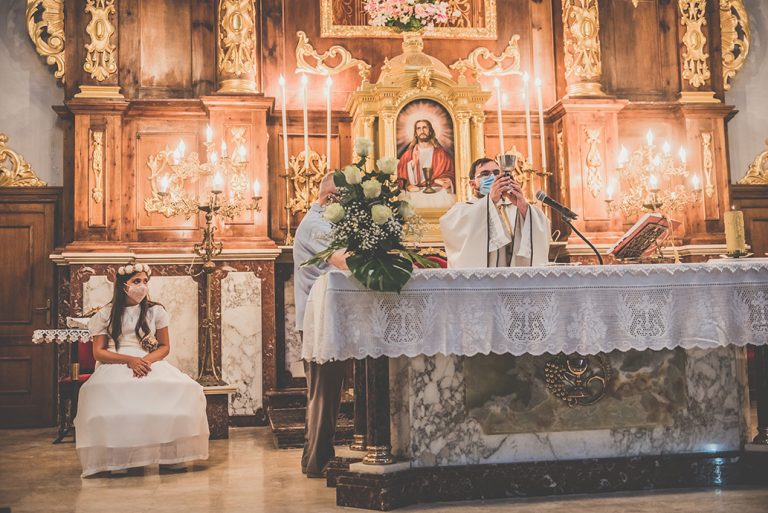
<point x="536" y="310"/>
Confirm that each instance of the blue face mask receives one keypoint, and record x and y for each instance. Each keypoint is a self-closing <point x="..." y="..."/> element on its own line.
<point x="485" y="184"/>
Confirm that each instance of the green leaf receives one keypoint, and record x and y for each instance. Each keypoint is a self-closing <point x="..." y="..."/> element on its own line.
<point x="421" y="260"/>
<point x="339" y="179"/>
<point x="321" y="256"/>
<point x="386" y="272"/>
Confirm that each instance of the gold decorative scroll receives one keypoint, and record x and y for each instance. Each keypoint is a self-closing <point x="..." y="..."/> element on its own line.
<point x="594" y="161"/>
<point x="695" y="65"/>
<point x="344" y="18"/>
<point x="45" y="25"/>
<point x="707" y="162"/>
<point x="424" y="79"/>
<point x="474" y="61"/>
<point x="757" y="174"/>
<point x="303" y="184"/>
<point x="237" y="37"/>
<point x="97" y="164"/>
<point x="15" y="171"/>
<point x="583" y="65"/>
<point x="100" y="57"/>
<point x="305" y="49"/>
<point x="735" y="35"/>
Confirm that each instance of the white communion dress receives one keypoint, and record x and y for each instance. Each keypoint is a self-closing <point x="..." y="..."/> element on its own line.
<point x="124" y="421"/>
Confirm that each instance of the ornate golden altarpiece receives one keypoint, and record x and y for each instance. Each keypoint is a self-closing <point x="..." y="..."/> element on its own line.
<point x="415" y="75"/>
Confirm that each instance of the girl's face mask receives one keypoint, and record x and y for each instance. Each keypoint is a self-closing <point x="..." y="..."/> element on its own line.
<point x="137" y="291"/>
<point x="485" y="184"/>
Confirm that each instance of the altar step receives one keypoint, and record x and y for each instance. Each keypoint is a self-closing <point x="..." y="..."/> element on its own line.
<point x="287" y="410"/>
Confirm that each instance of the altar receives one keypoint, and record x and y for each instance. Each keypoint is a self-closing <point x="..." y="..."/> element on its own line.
<point x="545" y="381"/>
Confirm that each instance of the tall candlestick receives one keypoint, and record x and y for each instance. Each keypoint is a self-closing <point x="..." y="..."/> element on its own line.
<point x="328" y="84"/>
<point x="281" y="80"/>
<point x="734" y="232"/>
<point x="497" y="85"/>
<point x="541" y="126"/>
<point x="526" y="79"/>
<point x="306" y="119"/>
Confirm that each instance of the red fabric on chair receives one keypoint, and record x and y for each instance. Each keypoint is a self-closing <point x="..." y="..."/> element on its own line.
<point x="85" y="357"/>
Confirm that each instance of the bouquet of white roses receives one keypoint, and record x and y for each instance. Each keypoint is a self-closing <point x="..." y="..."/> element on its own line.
<point x="370" y="221"/>
<point x="407" y="15"/>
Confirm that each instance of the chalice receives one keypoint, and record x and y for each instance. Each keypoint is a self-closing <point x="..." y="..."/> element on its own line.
<point x="428" y="176"/>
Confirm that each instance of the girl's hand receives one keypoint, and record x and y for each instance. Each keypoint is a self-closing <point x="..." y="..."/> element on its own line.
<point x="139" y="367"/>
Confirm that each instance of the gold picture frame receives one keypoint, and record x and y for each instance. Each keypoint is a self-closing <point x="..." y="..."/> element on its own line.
<point x="329" y="29"/>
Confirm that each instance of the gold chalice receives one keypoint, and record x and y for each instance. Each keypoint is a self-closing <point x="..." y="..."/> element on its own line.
<point x="428" y="176"/>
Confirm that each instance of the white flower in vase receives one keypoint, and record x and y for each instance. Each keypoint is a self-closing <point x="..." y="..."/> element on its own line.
<point x="387" y="165"/>
<point x="352" y="175"/>
<point x="371" y="188"/>
<point x="363" y="146"/>
<point x="381" y="214"/>
<point x="334" y="213"/>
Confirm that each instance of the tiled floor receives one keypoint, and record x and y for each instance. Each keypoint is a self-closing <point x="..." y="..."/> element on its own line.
<point x="245" y="474"/>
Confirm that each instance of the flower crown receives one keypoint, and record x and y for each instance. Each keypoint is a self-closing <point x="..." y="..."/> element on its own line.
<point x="134" y="268"/>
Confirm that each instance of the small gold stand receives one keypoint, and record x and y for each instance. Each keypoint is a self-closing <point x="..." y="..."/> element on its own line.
<point x="358" y="443"/>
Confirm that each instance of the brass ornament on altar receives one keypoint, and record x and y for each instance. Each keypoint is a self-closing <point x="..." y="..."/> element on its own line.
<point x="707" y="163"/>
<point x="302" y="185"/>
<point x="96" y="151"/>
<point x="578" y="380"/>
<point x="594" y="161"/>
<point x="346" y="19"/>
<point x="15" y="171"/>
<point x="757" y="174"/>
<point x="101" y="54"/>
<point x="695" y="59"/>
<point x="583" y="65"/>
<point x="45" y="26"/>
<point x="304" y="50"/>
<point x="735" y="36"/>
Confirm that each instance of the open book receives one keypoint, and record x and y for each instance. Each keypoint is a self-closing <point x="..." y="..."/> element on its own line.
<point x="639" y="240"/>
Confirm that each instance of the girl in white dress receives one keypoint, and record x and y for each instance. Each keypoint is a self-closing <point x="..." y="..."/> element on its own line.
<point x="137" y="409"/>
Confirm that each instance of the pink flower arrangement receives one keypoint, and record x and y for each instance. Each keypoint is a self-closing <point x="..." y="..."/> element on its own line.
<point x="407" y="15"/>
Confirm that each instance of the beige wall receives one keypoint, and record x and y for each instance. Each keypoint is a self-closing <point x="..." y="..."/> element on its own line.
<point x="27" y="92"/>
<point x="748" y="131"/>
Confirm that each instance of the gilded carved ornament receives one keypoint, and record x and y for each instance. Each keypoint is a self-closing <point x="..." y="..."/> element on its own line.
<point x="100" y="57"/>
<point x="97" y="164"/>
<point x="304" y="50"/>
<point x="45" y="25"/>
<point x="15" y="171"/>
<point x="757" y="174"/>
<point x="581" y="23"/>
<point x="695" y="65"/>
<point x="735" y="35"/>
<point x="561" y="161"/>
<point x="506" y="63"/>
<point x="460" y="27"/>
<point x="593" y="162"/>
<point x="237" y="36"/>
<point x="707" y="162"/>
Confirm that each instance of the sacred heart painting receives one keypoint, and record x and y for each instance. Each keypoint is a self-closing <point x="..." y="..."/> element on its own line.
<point x="425" y="152"/>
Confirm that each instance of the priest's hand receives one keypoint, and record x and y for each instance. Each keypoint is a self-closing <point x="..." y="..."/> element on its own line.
<point x="514" y="194"/>
<point x="499" y="187"/>
<point x="338" y="259"/>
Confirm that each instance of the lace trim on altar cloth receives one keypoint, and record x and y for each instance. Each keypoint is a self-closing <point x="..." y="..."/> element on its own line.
<point x="540" y="310"/>
<point x="60" y="336"/>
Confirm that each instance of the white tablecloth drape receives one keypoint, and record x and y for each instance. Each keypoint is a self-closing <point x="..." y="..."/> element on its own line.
<point x="576" y="309"/>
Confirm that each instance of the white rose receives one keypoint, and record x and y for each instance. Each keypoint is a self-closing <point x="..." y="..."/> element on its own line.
<point x="371" y="189"/>
<point x="387" y="165"/>
<point x="363" y="146"/>
<point x="381" y="214"/>
<point x="333" y="213"/>
<point x="353" y="175"/>
<point x="407" y="210"/>
<point x="128" y="269"/>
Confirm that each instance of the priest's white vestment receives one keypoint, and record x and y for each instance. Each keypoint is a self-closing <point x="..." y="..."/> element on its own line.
<point x="481" y="234"/>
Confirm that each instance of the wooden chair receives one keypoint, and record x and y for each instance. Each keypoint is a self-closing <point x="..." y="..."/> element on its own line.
<point x="82" y="365"/>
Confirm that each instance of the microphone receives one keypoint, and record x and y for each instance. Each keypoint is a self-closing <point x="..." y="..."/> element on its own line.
<point x="564" y="211"/>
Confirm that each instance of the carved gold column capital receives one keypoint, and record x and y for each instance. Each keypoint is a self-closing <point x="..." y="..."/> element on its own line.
<point x="694" y="56"/>
<point x="15" y="171"/>
<point x="735" y="36"/>
<point x="757" y="174"/>
<point x="101" y="52"/>
<point x="236" y="47"/>
<point x="583" y="65"/>
<point x="45" y="25"/>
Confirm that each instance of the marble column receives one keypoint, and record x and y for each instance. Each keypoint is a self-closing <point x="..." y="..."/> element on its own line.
<point x="377" y="409"/>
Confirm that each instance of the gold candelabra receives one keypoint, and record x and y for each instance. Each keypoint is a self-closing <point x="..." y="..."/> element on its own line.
<point x="170" y="174"/>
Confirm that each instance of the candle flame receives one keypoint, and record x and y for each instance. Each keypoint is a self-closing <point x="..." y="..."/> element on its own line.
<point x="683" y="155"/>
<point x="218" y="181"/>
<point x="696" y="182"/>
<point x="165" y="181"/>
<point x="537" y="82"/>
<point x="623" y="156"/>
<point x="649" y="137"/>
<point x="653" y="182"/>
<point x="526" y="78"/>
<point x="213" y="157"/>
<point x="281" y="81"/>
<point x="182" y="148"/>
<point x="304" y="80"/>
<point x="241" y="152"/>
<point x="208" y="133"/>
<point x="496" y="83"/>
<point x="666" y="148"/>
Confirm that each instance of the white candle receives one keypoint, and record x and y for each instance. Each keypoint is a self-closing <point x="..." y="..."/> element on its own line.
<point x="696" y="182"/>
<point x="241" y="153"/>
<point x="208" y="134"/>
<point x="497" y="86"/>
<point x="306" y="119"/>
<point x="165" y="182"/>
<point x="213" y="157"/>
<point x="526" y="79"/>
<point x="182" y="148"/>
<point x="285" y="123"/>
<point x="218" y="183"/>
<point x="623" y="157"/>
<point x="328" y="84"/>
<point x="653" y="183"/>
<point x="223" y="149"/>
<point x="649" y="137"/>
<point x="541" y="126"/>
<point x="683" y="155"/>
<point x="256" y="189"/>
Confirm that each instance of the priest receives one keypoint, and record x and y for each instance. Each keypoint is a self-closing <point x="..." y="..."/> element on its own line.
<point x="498" y="228"/>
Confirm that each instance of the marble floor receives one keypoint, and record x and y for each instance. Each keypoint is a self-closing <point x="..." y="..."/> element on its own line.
<point x="246" y="474"/>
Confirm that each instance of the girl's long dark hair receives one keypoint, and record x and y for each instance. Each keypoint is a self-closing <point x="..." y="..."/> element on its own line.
<point x="115" y="325"/>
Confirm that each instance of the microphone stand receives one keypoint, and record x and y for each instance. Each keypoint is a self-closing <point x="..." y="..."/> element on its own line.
<point x="599" y="257"/>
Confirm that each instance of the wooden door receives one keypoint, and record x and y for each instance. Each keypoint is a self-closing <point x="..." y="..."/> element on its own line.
<point x="27" y="380"/>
